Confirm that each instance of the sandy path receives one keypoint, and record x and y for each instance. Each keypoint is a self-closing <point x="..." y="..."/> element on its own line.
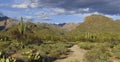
<point x="76" y="56"/>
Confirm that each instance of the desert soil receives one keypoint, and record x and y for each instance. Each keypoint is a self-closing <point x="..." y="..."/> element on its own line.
<point x="77" y="55"/>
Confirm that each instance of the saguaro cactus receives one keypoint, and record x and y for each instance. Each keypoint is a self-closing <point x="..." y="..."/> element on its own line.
<point x="22" y="26"/>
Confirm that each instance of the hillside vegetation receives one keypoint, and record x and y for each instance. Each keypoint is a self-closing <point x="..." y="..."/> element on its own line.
<point x="100" y="35"/>
<point x="41" y="42"/>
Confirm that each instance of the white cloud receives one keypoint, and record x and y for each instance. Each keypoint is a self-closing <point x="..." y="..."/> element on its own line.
<point x="28" y="17"/>
<point x="43" y="16"/>
<point x="86" y="9"/>
<point x="20" y="6"/>
<point x="34" y="5"/>
<point x="26" y="4"/>
<point x="59" y="11"/>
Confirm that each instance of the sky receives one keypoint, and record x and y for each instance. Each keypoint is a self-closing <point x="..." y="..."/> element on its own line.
<point x="58" y="11"/>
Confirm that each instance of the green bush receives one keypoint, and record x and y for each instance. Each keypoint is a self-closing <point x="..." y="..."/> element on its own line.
<point x="46" y="51"/>
<point x="54" y="50"/>
<point x="116" y="51"/>
<point x="87" y="45"/>
<point x="4" y="44"/>
<point x="97" y="55"/>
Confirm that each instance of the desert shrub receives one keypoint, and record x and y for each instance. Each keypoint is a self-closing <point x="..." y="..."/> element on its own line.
<point x="47" y="52"/>
<point x="105" y="45"/>
<point x="86" y="45"/>
<point x="4" y="36"/>
<point x="32" y="39"/>
<point x="116" y="51"/>
<point x="14" y="34"/>
<point x="3" y="45"/>
<point x="54" y="50"/>
<point x="89" y="45"/>
<point x="97" y="55"/>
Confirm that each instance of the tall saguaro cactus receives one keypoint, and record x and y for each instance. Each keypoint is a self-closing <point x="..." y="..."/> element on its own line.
<point x="22" y="26"/>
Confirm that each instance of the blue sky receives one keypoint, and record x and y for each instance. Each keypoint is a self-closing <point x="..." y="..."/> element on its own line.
<point x="58" y="11"/>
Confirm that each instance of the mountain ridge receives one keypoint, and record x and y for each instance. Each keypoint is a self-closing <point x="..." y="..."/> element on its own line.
<point x="97" y="23"/>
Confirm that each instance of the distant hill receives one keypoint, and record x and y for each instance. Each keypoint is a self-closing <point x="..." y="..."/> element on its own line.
<point x="70" y="26"/>
<point x="2" y="18"/>
<point x="44" y="29"/>
<point x="97" y="23"/>
<point x="6" y="22"/>
<point x="51" y="27"/>
<point x="61" y="24"/>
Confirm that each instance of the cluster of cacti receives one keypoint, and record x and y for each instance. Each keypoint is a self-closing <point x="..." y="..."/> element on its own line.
<point x="90" y="35"/>
<point x="45" y="54"/>
<point x="33" y="56"/>
<point x="22" y="26"/>
<point x="10" y="59"/>
<point x="4" y="58"/>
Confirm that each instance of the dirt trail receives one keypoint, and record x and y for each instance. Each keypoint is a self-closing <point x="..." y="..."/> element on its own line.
<point x="77" y="55"/>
